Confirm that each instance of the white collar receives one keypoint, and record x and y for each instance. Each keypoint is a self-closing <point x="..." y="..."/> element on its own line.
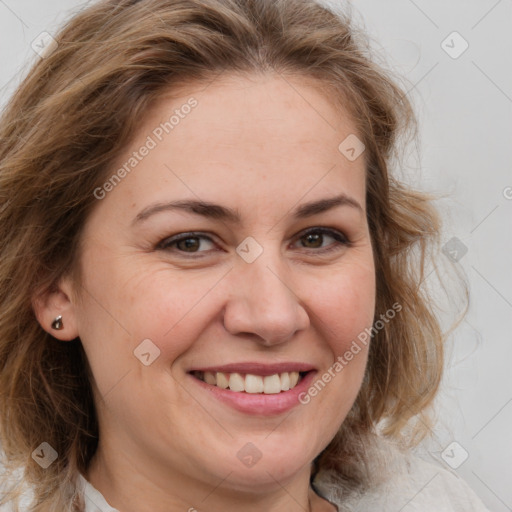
<point x="94" y="500"/>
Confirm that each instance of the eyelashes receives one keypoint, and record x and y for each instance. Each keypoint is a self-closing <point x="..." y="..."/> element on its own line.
<point x="320" y="232"/>
<point x="187" y="245"/>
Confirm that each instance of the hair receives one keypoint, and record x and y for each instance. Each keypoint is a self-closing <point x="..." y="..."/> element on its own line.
<point x="60" y="134"/>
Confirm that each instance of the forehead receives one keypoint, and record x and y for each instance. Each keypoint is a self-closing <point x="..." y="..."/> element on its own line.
<point x="242" y="135"/>
<point x="304" y="109"/>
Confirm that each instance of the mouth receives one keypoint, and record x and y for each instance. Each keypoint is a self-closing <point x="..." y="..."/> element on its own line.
<point x="251" y="383"/>
<point x="255" y="388"/>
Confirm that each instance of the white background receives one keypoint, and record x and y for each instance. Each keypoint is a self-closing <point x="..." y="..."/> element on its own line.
<point x="465" y="110"/>
<point x="464" y="106"/>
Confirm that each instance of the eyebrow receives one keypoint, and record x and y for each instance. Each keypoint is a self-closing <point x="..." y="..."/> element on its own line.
<point x="218" y="212"/>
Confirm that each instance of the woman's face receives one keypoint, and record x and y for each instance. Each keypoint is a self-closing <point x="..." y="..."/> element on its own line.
<point x="262" y="268"/>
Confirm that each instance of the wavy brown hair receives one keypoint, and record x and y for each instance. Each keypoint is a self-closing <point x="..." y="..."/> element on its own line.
<point x="66" y="124"/>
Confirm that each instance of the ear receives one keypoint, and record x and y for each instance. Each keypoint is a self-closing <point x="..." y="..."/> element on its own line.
<point x="49" y="304"/>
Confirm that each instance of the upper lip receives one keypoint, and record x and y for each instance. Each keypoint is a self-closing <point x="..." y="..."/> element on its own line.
<point x="256" y="368"/>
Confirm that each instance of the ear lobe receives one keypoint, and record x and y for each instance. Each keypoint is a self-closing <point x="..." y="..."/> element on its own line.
<point x="49" y="304"/>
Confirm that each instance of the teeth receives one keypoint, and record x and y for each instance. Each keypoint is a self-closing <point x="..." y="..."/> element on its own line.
<point x="255" y="384"/>
<point x="236" y="382"/>
<point x="285" y="381"/>
<point x="272" y="384"/>
<point x="222" y="381"/>
<point x="294" y="378"/>
<point x="210" y="378"/>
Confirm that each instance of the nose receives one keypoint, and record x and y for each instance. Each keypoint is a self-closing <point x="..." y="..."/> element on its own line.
<point x="263" y="303"/>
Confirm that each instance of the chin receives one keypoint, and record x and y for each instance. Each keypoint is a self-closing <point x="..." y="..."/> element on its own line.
<point x="263" y="465"/>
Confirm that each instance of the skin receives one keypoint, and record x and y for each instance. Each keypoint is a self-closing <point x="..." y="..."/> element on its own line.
<point x="262" y="145"/>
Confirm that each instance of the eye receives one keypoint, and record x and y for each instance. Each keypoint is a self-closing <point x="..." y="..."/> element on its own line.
<point x="185" y="242"/>
<point x="314" y="239"/>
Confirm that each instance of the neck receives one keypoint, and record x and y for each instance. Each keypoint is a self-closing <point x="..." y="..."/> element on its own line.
<point x="138" y="485"/>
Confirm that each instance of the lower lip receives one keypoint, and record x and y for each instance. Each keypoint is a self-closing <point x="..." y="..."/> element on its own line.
<point x="259" y="403"/>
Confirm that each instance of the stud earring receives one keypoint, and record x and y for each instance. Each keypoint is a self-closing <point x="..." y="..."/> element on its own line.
<point x="57" y="324"/>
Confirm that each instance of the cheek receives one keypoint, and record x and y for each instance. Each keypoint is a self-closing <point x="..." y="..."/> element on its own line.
<point x="173" y="310"/>
<point x="344" y="312"/>
<point x="123" y="307"/>
<point x="345" y="305"/>
<point x="170" y="309"/>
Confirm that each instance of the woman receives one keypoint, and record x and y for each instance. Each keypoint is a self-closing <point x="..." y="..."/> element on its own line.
<point x="209" y="281"/>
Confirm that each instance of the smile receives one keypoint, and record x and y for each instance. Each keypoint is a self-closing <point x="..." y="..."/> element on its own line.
<point x="250" y="383"/>
<point x="254" y="388"/>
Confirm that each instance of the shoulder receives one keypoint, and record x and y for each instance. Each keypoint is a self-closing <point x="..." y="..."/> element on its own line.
<point x="428" y="486"/>
<point x="409" y="484"/>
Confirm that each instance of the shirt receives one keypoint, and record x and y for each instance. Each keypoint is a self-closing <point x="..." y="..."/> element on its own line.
<point x="419" y="486"/>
